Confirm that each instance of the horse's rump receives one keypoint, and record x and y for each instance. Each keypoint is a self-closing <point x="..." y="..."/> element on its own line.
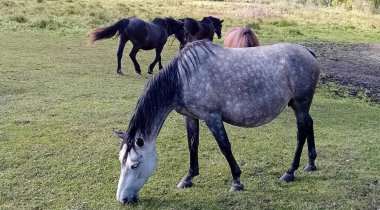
<point x="239" y="37"/>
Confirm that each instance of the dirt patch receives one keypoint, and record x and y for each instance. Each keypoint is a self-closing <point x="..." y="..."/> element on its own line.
<point x="356" y="65"/>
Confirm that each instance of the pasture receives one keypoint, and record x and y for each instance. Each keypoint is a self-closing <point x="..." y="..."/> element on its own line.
<point x="60" y="99"/>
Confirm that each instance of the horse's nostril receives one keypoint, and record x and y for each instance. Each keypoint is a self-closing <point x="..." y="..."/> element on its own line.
<point x="129" y="201"/>
<point x="134" y="199"/>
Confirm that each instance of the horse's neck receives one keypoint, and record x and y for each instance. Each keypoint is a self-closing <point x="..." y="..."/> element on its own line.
<point x="157" y="102"/>
<point x="158" y="120"/>
<point x="169" y="30"/>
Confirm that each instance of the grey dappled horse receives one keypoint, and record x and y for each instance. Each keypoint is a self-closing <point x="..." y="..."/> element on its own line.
<point x="245" y="87"/>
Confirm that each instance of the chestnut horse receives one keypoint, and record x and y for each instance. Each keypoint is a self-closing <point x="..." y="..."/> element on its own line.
<point x="239" y="37"/>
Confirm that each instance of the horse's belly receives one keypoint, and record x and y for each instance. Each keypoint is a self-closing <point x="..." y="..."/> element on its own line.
<point x="252" y="114"/>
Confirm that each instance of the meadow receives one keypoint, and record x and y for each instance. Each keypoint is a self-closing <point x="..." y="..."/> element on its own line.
<point x="60" y="99"/>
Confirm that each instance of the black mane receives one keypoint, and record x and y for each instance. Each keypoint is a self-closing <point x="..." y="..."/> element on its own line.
<point x="162" y="90"/>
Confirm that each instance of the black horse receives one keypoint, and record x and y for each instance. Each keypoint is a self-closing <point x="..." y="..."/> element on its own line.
<point x="204" y="29"/>
<point x="143" y="35"/>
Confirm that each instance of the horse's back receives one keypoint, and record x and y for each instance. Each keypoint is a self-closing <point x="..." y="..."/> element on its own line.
<point x="242" y="82"/>
<point x="136" y="29"/>
<point x="294" y="62"/>
<point x="191" y="26"/>
<point x="145" y="34"/>
<point x="239" y="37"/>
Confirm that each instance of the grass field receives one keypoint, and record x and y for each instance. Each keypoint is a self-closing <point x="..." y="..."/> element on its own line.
<point x="60" y="100"/>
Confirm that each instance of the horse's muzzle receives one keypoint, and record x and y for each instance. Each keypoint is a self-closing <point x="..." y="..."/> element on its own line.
<point x="129" y="200"/>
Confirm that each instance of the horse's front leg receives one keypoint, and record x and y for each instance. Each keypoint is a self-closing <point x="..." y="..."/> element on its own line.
<point x="215" y="123"/>
<point x="156" y="59"/>
<point x="192" y="127"/>
<point x="132" y="55"/>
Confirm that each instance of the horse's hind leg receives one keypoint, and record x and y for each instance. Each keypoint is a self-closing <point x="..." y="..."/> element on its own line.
<point x="215" y="123"/>
<point x="123" y="40"/>
<point x="156" y="59"/>
<point x="304" y="130"/>
<point x="312" y="152"/>
<point x="132" y="55"/>
<point x="192" y="127"/>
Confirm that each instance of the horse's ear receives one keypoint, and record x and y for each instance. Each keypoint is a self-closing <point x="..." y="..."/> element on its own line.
<point x="221" y="21"/>
<point x="119" y="134"/>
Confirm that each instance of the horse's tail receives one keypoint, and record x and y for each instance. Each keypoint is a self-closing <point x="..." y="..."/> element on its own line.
<point x="108" y="32"/>
<point x="250" y="38"/>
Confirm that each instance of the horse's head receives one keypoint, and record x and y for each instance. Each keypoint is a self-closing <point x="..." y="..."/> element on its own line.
<point x="217" y="25"/>
<point x="176" y="27"/>
<point x="138" y="160"/>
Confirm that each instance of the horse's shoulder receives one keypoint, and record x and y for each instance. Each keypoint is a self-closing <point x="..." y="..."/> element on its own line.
<point x="191" y="26"/>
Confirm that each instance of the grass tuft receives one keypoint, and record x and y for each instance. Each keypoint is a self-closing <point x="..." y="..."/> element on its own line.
<point x="19" y="19"/>
<point x="284" y="23"/>
<point x="8" y="3"/>
<point x="254" y="25"/>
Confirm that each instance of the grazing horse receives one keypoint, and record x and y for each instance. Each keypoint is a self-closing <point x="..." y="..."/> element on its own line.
<point x="239" y="37"/>
<point x="143" y="35"/>
<point x="204" y="29"/>
<point x="202" y="83"/>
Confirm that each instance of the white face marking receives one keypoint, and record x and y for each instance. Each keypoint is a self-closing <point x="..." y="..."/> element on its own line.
<point x="135" y="171"/>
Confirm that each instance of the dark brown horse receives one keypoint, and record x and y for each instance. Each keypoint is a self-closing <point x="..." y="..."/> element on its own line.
<point x="143" y="35"/>
<point x="239" y="37"/>
<point x="204" y="29"/>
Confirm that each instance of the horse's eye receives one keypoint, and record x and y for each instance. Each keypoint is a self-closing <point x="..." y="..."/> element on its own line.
<point x="134" y="166"/>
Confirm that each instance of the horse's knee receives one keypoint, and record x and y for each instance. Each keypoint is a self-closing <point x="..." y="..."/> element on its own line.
<point x="304" y="121"/>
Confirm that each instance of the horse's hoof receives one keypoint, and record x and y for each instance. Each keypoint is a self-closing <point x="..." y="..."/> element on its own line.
<point x="150" y="72"/>
<point x="236" y="187"/>
<point x="185" y="184"/>
<point x="310" y="168"/>
<point x="287" y="177"/>
<point x="119" y="72"/>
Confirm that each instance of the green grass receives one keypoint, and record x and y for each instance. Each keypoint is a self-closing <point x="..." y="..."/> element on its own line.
<point x="60" y="100"/>
<point x="284" y="20"/>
